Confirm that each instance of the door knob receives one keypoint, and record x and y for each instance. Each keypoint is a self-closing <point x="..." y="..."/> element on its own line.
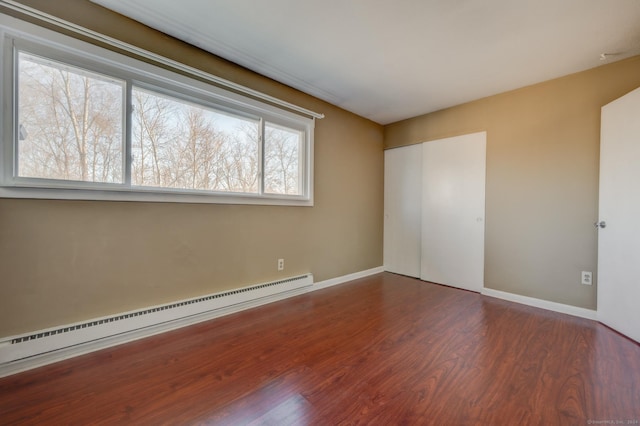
<point x="601" y="224"/>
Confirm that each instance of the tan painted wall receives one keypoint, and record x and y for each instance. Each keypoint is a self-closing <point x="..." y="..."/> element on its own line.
<point x="66" y="261"/>
<point x="542" y="177"/>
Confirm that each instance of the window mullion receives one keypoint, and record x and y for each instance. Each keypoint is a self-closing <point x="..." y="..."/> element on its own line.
<point x="13" y="124"/>
<point x="261" y="154"/>
<point x="302" y="169"/>
<point x="127" y="119"/>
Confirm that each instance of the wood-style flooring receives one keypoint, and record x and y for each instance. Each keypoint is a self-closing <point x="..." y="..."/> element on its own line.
<point x="382" y="350"/>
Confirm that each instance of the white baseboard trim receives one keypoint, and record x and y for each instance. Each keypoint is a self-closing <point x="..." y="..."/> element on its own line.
<point x="346" y="278"/>
<point x="543" y="304"/>
<point x="30" y="363"/>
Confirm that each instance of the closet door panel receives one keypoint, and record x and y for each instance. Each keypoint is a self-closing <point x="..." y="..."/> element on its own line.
<point x="453" y="208"/>
<point x="402" y="210"/>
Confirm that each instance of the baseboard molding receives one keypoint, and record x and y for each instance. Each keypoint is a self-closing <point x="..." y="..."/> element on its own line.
<point x="30" y="363"/>
<point x="346" y="278"/>
<point x="543" y="304"/>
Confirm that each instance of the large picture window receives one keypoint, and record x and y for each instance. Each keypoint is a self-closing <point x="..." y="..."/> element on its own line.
<point x="85" y="127"/>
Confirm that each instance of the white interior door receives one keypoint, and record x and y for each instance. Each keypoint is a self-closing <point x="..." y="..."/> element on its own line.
<point x="453" y="201"/>
<point x="619" y="241"/>
<point x="402" y="209"/>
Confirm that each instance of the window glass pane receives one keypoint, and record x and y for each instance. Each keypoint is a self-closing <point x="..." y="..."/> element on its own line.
<point x="69" y="122"/>
<point x="177" y="144"/>
<point x="282" y="160"/>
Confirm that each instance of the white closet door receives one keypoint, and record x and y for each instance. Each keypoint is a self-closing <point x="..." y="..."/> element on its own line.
<point x="402" y="209"/>
<point x="453" y="201"/>
<point x="619" y="238"/>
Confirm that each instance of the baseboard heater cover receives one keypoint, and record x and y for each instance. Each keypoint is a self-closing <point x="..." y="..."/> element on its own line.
<point x="16" y="348"/>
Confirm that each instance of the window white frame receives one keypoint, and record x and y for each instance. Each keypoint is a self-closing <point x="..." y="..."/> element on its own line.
<point x="16" y="35"/>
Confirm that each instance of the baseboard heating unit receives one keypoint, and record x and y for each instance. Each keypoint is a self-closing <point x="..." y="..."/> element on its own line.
<point x="18" y="353"/>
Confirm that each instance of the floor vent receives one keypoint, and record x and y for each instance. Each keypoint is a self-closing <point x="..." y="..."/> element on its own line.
<point x="44" y="341"/>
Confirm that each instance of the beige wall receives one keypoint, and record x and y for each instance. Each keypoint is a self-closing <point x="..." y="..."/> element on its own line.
<point x="66" y="261"/>
<point x="542" y="177"/>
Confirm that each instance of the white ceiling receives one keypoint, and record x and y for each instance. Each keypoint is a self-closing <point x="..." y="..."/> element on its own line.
<point x="390" y="60"/>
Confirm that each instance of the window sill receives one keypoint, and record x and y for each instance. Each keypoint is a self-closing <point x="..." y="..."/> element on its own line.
<point x="154" y="196"/>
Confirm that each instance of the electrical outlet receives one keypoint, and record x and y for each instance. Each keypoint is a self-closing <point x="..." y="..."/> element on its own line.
<point x="280" y="264"/>
<point x="587" y="278"/>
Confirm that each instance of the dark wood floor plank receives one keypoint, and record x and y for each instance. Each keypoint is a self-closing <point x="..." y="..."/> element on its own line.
<point x="381" y="350"/>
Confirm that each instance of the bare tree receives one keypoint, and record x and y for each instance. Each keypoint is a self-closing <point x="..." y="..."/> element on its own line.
<point x="282" y="161"/>
<point x="182" y="145"/>
<point x="71" y="124"/>
<point x="240" y="166"/>
<point x="151" y="131"/>
<point x="203" y="150"/>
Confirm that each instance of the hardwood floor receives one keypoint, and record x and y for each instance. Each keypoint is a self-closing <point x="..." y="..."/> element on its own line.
<point x="381" y="350"/>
